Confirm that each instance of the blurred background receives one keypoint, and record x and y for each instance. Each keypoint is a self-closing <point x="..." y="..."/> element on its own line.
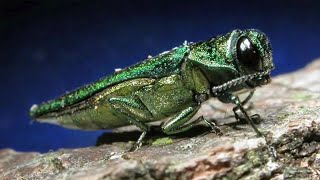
<point x="50" y="47"/>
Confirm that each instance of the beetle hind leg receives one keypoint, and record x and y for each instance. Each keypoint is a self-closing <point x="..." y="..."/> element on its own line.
<point x="133" y="111"/>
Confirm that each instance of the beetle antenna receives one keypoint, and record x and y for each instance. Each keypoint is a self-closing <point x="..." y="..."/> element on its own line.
<point x="237" y="81"/>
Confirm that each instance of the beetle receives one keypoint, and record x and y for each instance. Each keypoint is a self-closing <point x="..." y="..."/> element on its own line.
<point x="172" y="84"/>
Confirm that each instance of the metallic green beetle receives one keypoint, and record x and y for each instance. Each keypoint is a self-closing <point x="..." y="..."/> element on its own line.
<point x="172" y="84"/>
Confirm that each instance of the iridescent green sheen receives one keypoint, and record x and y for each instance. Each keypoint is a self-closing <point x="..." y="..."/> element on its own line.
<point x="162" y="65"/>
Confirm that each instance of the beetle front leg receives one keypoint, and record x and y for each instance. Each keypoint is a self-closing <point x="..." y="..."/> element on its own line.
<point x="133" y="111"/>
<point x="255" y="117"/>
<point x="246" y="100"/>
<point x="230" y="98"/>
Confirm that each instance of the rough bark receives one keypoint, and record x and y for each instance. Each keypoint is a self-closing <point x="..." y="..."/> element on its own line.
<point x="290" y="112"/>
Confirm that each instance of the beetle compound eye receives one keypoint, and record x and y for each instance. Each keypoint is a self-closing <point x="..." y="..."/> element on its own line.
<point x="248" y="54"/>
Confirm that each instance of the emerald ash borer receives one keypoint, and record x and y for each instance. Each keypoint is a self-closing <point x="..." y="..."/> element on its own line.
<point x="170" y="85"/>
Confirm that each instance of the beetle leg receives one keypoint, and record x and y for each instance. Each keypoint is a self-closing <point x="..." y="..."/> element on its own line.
<point x="132" y="110"/>
<point x="213" y="125"/>
<point x="246" y="100"/>
<point x="255" y="117"/>
<point x="177" y="123"/>
<point x="230" y="98"/>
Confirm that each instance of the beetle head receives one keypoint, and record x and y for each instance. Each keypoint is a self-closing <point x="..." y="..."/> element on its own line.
<point x="252" y="55"/>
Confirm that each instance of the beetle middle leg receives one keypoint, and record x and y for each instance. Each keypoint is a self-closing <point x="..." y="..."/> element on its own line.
<point x="132" y="110"/>
<point x="177" y="123"/>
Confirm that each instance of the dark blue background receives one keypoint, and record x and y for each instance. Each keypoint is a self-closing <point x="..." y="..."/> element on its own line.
<point x="49" y="47"/>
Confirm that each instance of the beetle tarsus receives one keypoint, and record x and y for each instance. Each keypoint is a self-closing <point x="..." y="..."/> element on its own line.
<point x="273" y="152"/>
<point x="256" y="118"/>
<point x="213" y="126"/>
